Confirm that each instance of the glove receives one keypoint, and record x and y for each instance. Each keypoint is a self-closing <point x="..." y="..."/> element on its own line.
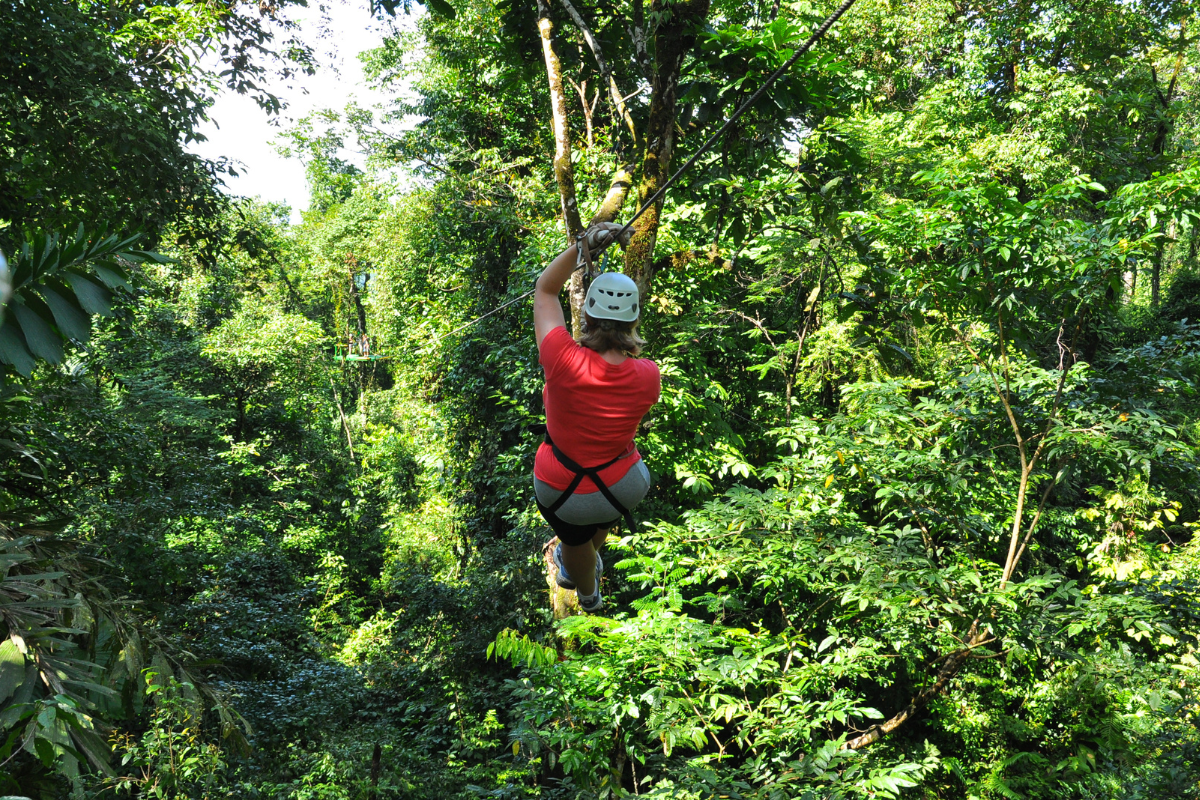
<point x="602" y="234"/>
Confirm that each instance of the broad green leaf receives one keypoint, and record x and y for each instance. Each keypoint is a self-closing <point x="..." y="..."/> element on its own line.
<point x="92" y="298"/>
<point x="441" y="8"/>
<point x="39" y="338"/>
<point x="111" y="278"/>
<point x="44" y="750"/>
<point x="13" y="350"/>
<point x="904" y="353"/>
<point x="12" y="668"/>
<point x="70" y="320"/>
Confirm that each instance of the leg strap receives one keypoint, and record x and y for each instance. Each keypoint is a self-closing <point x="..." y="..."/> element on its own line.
<point x="580" y="472"/>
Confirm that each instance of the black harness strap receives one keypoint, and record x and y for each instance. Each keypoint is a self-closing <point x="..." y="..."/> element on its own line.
<point x="580" y="473"/>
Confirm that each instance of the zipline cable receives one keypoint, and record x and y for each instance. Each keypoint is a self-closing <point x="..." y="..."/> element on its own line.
<point x="804" y="48"/>
<point x="654" y="198"/>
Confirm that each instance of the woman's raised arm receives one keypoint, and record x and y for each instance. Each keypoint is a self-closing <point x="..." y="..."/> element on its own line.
<point x="547" y="308"/>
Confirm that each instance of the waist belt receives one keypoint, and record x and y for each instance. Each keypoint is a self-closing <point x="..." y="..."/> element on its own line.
<point x="580" y="473"/>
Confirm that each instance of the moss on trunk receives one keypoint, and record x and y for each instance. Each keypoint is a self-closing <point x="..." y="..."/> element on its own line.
<point x="673" y="37"/>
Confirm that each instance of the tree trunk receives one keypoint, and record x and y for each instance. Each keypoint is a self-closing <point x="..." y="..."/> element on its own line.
<point x="376" y="756"/>
<point x="563" y="602"/>
<point x="1166" y="122"/>
<point x="564" y="176"/>
<point x="672" y="39"/>
<point x="637" y="35"/>
<point x="359" y="310"/>
<point x="240" y="434"/>
<point x="1156" y="273"/>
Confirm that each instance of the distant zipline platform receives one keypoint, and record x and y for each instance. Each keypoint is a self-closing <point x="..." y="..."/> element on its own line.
<point x="357" y="349"/>
<point x="339" y="357"/>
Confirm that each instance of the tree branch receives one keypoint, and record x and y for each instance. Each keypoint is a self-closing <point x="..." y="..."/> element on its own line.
<point x="618" y="192"/>
<point x="953" y="663"/>
<point x="618" y="100"/>
<point x="810" y="317"/>
<point x="1026" y="469"/>
<point x="1010" y="564"/>
<point x="1037" y="515"/>
<point x="637" y="34"/>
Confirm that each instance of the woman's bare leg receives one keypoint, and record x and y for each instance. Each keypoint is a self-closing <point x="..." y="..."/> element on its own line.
<point x="598" y="539"/>
<point x="580" y="561"/>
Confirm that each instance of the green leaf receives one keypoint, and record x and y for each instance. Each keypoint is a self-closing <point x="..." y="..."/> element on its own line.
<point x="41" y="340"/>
<point x="111" y="278"/>
<point x="12" y="668"/>
<point x="70" y="320"/>
<point x="441" y="8"/>
<point x="95" y="749"/>
<point x="20" y="707"/>
<point x="13" y="351"/>
<point x="903" y="353"/>
<point x="150" y="255"/>
<point x="92" y="298"/>
<point x="45" y="751"/>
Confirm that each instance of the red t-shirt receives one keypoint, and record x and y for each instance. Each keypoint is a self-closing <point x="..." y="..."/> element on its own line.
<point x="592" y="410"/>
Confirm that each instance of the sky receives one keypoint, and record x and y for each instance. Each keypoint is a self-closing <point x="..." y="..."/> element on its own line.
<point x="240" y="130"/>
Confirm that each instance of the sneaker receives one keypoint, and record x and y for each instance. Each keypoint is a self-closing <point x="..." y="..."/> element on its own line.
<point x="564" y="580"/>
<point x="591" y="604"/>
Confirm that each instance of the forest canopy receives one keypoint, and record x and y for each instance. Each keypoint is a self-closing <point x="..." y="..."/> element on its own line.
<point x="926" y="461"/>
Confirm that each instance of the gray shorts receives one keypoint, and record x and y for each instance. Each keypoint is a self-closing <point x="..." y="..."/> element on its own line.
<point x="592" y="508"/>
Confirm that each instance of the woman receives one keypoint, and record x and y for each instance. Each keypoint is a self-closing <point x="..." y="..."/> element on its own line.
<point x="596" y="394"/>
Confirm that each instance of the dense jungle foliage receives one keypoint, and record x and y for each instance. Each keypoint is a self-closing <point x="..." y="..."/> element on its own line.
<point x="926" y="463"/>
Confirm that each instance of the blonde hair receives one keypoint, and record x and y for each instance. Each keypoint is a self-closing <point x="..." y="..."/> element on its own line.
<point x="603" y="335"/>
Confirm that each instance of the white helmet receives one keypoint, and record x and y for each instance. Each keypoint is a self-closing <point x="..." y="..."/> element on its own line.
<point x="613" y="295"/>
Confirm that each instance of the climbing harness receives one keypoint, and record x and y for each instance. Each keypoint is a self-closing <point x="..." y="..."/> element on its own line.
<point x="804" y="48"/>
<point x="581" y="472"/>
